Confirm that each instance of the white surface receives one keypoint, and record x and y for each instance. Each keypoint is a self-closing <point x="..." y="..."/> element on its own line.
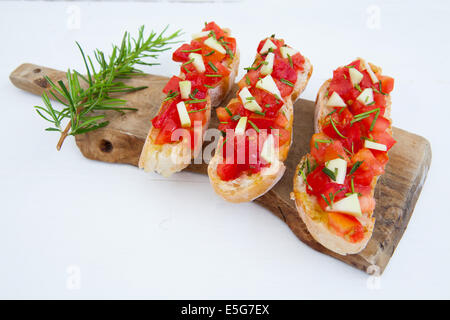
<point x="136" y="235"/>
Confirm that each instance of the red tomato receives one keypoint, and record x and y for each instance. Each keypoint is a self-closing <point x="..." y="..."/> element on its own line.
<point x="381" y="156"/>
<point x="387" y="83"/>
<point x="284" y="136"/>
<point x="369" y="167"/>
<point x="367" y="203"/>
<point x="222" y="114"/>
<point x="165" y="134"/>
<point x="282" y="70"/>
<point x="380" y="125"/>
<point x="384" y="138"/>
<point x="216" y="56"/>
<point x="262" y="122"/>
<point x="284" y="88"/>
<point x="214" y="27"/>
<point x="353" y="133"/>
<point x="317" y="180"/>
<point x="168" y="111"/>
<point x="267" y="101"/>
<point x="278" y="42"/>
<point x="227" y="172"/>
<point x="298" y="61"/>
<point x="331" y="191"/>
<point x="172" y="85"/>
<point x="281" y="121"/>
<point x="344" y="224"/>
<point x="182" y="53"/>
<point x="342" y="85"/>
<point x="325" y="151"/>
<point x="249" y="80"/>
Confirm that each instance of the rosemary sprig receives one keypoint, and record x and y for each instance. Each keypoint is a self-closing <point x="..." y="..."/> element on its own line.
<point x="81" y="95"/>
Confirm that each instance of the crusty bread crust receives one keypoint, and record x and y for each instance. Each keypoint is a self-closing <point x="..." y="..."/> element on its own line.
<point x="174" y="157"/>
<point x="249" y="187"/>
<point x="308" y="208"/>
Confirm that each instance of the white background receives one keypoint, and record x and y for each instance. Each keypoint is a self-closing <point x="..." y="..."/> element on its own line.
<point x="127" y="234"/>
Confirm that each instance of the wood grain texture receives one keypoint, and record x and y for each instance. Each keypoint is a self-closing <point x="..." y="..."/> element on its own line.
<point x="396" y="193"/>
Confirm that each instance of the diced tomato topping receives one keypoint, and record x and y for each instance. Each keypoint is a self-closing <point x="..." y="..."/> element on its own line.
<point x="249" y="80"/>
<point x="278" y="42"/>
<point x="387" y="83"/>
<point x="367" y="203"/>
<point x="346" y="225"/>
<point x="165" y="133"/>
<point x="344" y="133"/>
<point x="228" y="172"/>
<point x="284" y="75"/>
<point x="182" y="53"/>
<point x="281" y="120"/>
<point x="384" y="138"/>
<point x="323" y="148"/>
<point x="284" y="136"/>
<point x="298" y="61"/>
<point x="172" y="85"/>
<point x="368" y="168"/>
<point x="212" y="26"/>
<point x="222" y="114"/>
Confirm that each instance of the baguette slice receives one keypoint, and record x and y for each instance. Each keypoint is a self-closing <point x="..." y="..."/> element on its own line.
<point x="249" y="187"/>
<point x="307" y="206"/>
<point x="174" y="157"/>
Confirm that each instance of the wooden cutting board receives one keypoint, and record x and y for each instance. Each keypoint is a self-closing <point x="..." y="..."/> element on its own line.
<point x="396" y="192"/>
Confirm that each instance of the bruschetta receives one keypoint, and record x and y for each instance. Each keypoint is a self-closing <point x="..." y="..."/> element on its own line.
<point x="256" y="126"/>
<point x="209" y="66"/>
<point x="334" y="185"/>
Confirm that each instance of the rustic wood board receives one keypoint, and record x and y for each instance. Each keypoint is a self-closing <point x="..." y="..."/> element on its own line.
<point x="396" y="193"/>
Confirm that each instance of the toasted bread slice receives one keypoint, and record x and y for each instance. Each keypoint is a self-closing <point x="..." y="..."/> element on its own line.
<point x="311" y="213"/>
<point x="174" y="157"/>
<point x="249" y="187"/>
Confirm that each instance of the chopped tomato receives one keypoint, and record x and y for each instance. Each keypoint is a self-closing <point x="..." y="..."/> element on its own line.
<point x="270" y="104"/>
<point x="323" y="148"/>
<point x="284" y="136"/>
<point x="212" y="55"/>
<point x="380" y="125"/>
<point x="368" y="168"/>
<point x="281" y="120"/>
<point x="367" y="203"/>
<point x="381" y="156"/>
<point x="168" y="111"/>
<point x="212" y="26"/>
<point x="284" y="75"/>
<point x="298" y="61"/>
<point x="384" y="138"/>
<point x="249" y="80"/>
<point x="278" y="42"/>
<point x="172" y="85"/>
<point x="182" y="53"/>
<point x="228" y="172"/>
<point x="165" y="134"/>
<point x="387" y="83"/>
<point x="222" y="114"/>
<point x="346" y="225"/>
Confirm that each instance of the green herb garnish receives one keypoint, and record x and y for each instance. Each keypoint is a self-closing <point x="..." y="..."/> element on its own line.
<point x="253" y="125"/>
<point x="355" y="167"/>
<point x="329" y="173"/>
<point x="212" y="66"/>
<point x="84" y="95"/>
<point x="287" y="82"/>
<point x="337" y="131"/>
